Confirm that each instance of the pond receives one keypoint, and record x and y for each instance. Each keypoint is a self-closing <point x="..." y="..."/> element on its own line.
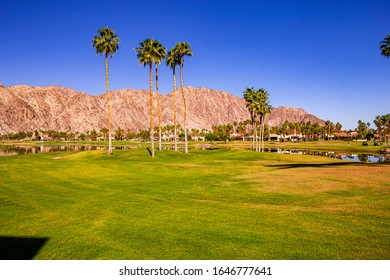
<point x="26" y="150"/>
<point x="13" y="150"/>
<point x="339" y="155"/>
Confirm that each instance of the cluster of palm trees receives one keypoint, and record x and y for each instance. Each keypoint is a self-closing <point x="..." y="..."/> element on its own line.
<point x="382" y="123"/>
<point x="149" y="52"/>
<point x="309" y="130"/>
<point x="258" y="105"/>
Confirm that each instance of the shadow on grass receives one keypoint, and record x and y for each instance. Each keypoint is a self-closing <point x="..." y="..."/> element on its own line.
<point x="20" y="248"/>
<point x="321" y="165"/>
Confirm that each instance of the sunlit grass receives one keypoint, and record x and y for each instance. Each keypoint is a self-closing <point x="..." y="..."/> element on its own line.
<point x="221" y="204"/>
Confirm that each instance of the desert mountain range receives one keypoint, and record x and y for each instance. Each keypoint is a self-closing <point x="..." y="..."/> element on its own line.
<point x="28" y="108"/>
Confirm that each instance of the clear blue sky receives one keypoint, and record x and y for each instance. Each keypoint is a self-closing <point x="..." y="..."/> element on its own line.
<point x="322" y="56"/>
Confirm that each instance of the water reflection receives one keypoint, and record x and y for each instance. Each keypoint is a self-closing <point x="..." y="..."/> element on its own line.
<point x="28" y="150"/>
<point x="343" y="156"/>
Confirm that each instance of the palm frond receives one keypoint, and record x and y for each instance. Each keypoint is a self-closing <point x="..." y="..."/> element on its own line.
<point x="385" y="46"/>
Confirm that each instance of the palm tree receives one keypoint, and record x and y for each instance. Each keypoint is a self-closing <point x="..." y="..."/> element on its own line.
<point x="172" y="61"/>
<point x="104" y="131"/>
<point x="328" y="127"/>
<point x="258" y="106"/>
<point x="385" y="46"/>
<point x="159" y="54"/>
<point x="386" y="124"/>
<point x="107" y="43"/>
<point x="145" y="56"/>
<point x="249" y="96"/>
<point x="379" y="124"/>
<point x="263" y="108"/>
<point x="338" y="127"/>
<point x="183" y="49"/>
<point x="119" y="134"/>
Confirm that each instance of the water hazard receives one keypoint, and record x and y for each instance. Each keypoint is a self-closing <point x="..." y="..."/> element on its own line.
<point x="28" y="150"/>
<point x="12" y="150"/>
<point x="339" y="155"/>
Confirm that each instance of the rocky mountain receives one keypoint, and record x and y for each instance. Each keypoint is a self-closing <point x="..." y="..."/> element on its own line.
<point x="27" y="108"/>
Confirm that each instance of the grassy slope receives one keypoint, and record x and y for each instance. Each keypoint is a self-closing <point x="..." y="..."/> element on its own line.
<point x="205" y="205"/>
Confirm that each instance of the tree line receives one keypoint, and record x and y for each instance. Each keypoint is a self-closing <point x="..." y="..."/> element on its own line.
<point x="226" y="132"/>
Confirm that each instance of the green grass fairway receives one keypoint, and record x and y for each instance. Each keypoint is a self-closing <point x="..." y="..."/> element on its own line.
<point x="221" y="204"/>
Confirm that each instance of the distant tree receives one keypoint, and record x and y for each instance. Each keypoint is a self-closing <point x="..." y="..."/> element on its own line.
<point x="370" y="135"/>
<point x="144" y="135"/>
<point x="338" y="127"/>
<point x="92" y="135"/>
<point x="283" y="130"/>
<point x="241" y="129"/>
<point x="129" y="134"/>
<point x="387" y="119"/>
<point x="379" y="126"/>
<point x="330" y="128"/>
<point x="385" y="46"/>
<point x="362" y="129"/>
<point x="107" y="43"/>
<point x="316" y="130"/>
<point x="37" y="137"/>
<point x="104" y="131"/>
<point x="119" y="134"/>
<point x="386" y="125"/>
<point x="145" y="56"/>
<point x="210" y="137"/>
<point x="183" y="49"/>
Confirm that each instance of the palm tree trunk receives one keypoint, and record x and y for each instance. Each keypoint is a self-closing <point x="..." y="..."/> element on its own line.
<point x="253" y="128"/>
<point x="261" y="133"/>
<point x="259" y="137"/>
<point x="158" y="111"/>
<point x="184" y="109"/>
<point x="262" y="139"/>
<point x="151" y="128"/>
<point x="174" y="108"/>
<point x="108" y="109"/>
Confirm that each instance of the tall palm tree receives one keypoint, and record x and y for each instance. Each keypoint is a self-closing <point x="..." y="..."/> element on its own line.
<point x="263" y="108"/>
<point x="172" y="61"/>
<point x="107" y="43"/>
<point x="159" y="53"/>
<point x="145" y="56"/>
<point x="249" y="96"/>
<point x="183" y="49"/>
<point x="385" y="46"/>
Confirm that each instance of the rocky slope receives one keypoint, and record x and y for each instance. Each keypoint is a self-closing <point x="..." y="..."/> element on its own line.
<point x="27" y="108"/>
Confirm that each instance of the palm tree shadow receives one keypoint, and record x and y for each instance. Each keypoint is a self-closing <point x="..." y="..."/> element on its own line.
<point x="20" y="248"/>
<point x="323" y="165"/>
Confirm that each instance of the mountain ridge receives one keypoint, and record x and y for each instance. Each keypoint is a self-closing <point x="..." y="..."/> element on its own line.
<point x="28" y="108"/>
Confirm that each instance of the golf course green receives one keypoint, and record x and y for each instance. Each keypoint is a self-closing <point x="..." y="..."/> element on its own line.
<point x="208" y="204"/>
